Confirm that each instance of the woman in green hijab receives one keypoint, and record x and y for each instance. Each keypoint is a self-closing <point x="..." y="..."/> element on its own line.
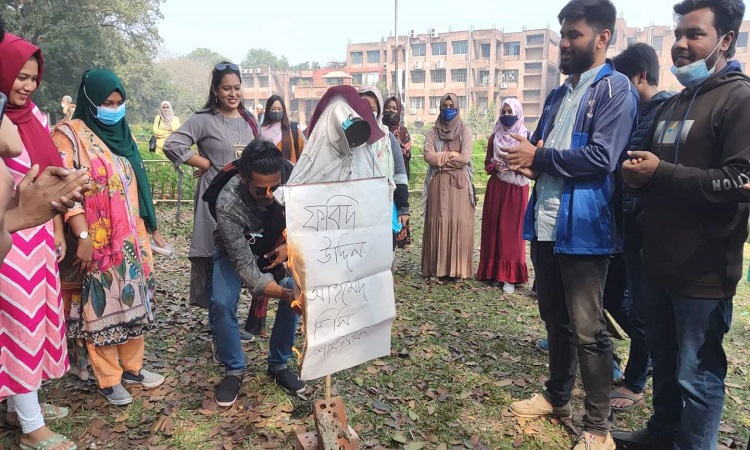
<point x="112" y="307"/>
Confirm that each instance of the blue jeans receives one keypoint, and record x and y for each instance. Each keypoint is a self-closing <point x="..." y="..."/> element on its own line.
<point x="226" y="330"/>
<point x="685" y="337"/>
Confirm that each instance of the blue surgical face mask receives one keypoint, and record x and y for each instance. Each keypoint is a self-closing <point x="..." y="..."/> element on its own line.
<point x="697" y="72"/>
<point x="448" y="114"/>
<point x="107" y="116"/>
<point x="110" y="116"/>
<point x="508" y="121"/>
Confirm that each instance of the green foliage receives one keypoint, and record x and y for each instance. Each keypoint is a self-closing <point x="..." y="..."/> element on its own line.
<point x="481" y="122"/>
<point x="307" y="65"/>
<point x="206" y="57"/>
<point x="260" y="57"/>
<point x="77" y="35"/>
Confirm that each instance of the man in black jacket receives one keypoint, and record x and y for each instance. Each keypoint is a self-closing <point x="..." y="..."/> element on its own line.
<point x="690" y="175"/>
<point x="640" y="63"/>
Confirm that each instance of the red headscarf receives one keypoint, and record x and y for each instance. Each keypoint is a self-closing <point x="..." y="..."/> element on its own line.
<point x="14" y="52"/>
<point x="359" y="105"/>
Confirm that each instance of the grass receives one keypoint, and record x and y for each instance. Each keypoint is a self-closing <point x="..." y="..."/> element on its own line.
<point x="460" y="355"/>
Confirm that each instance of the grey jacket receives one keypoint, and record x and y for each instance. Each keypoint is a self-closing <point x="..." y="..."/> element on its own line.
<point x="240" y="219"/>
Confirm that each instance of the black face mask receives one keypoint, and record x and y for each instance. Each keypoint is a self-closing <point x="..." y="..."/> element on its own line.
<point x="391" y="119"/>
<point x="275" y="116"/>
<point x="357" y="131"/>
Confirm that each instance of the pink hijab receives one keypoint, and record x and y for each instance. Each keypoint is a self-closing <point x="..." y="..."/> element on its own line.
<point x="504" y="140"/>
<point x="502" y="135"/>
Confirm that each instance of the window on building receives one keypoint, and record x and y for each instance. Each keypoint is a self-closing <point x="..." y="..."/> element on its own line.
<point x="357" y="79"/>
<point x="417" y="76"/>
<point x="458" y="75"/>
<point x="373" y="56"/>
<point x="263" y="82"/>
<point x="418" y="49"/>
<point x="435" y="102"/>
<point x="485" y="50"/>
<point x="416" y="103"/>
<point x="484" y="77"/>
<point x="509" y="76"/>
<point x="305" y="81"/>
<point x="631" y="41"/>
<point x="371" y="78"/>
<point x="357" y="57"/>
<point x="462" y="101"/>
<point x="460" y="47"/>
<point x="512" y="48"/>
<point x="742" y="67"/>
<point x="439" y="48"/>
<point x="613" y="40"/>
<point x="334" y="81"/>
<point x="657" y="42"/>
<point x="482" y="104"/>
<point x="437" y="76"/>
<point x="535" y="39"/>
<point x="742" y="39"/>
<point x="249" y="81"/>
<point x="532" y="67"/>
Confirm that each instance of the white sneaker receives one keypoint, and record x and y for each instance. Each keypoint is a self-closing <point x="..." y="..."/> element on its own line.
<point x="509" y="288"/>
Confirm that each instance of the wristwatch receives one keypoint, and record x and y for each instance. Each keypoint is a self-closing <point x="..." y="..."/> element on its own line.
<point x="83" y="235"/>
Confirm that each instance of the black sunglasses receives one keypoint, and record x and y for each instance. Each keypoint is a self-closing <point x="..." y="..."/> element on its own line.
<point x="224" y="66"/>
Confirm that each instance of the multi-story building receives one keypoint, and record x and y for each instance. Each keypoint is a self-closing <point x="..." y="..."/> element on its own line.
<point x="480" y="66"/>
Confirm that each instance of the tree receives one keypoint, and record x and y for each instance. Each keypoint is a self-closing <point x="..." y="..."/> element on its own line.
<point x="77" y="35"/>
<point x="260" y="57"/>
<point x="481" y="123"/>
<point x="206" y="56"/>
<point x="188" y="82"/>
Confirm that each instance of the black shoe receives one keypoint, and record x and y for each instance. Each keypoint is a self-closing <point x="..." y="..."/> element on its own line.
<point x="640" y="440"/>
<point x="288" y="380"/>
<point x="227" y="390"/>
<point x="246" y="336"/>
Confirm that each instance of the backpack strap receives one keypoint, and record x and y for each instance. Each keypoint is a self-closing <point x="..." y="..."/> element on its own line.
<point x="217" y="184"/>
<point x="295" y="137"/>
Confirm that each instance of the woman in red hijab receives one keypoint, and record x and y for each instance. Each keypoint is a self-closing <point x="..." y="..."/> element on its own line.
<point x="31" y="311"/>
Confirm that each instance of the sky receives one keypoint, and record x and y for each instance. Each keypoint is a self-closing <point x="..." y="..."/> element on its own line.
<point x="304" y="30"/>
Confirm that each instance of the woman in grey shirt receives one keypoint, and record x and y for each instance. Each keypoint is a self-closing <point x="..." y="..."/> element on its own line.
<point x="220" y="131"/>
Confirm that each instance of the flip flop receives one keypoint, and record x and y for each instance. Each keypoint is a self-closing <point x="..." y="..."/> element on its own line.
<point x="51" y="442"/>
<point x="636" y="402"/>
<point x="49" y="412"/>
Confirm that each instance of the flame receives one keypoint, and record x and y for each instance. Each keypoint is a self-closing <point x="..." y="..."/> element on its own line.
<point x="299" y="303"/>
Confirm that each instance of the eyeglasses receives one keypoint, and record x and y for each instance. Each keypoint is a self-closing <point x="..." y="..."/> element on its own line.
<point x="225" y="66"/>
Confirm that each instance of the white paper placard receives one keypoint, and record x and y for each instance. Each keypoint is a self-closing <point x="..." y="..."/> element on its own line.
<point x="340" y="242"/>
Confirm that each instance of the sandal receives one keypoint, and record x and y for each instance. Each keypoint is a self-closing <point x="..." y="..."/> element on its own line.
<point x="636" y="401"/>
<point x="49" y="412"/>
<point x="51" y="442"/>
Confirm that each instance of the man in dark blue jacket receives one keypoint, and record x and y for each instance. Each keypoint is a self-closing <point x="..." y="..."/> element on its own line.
<point x="640" y="63"/>
<point x="573" y="219"/>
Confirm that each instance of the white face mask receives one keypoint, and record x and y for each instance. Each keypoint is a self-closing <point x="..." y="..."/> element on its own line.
<point x="697" y="72"/>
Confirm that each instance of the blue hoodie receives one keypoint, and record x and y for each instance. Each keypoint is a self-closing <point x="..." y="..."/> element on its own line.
<point x="590" y="216"/>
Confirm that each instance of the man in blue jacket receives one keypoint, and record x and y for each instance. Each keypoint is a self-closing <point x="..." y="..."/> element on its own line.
<point x="574" y="217"/>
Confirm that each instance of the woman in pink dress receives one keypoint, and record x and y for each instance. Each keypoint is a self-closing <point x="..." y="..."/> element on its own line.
<point x="32" y="331"/>
<point x="502" y="257"/>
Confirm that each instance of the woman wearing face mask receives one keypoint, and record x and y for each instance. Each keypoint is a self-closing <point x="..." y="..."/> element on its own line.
<point x="277" y="129"/>
<point x="448" y="241"/>
<point x="32" y="319"/>
<point x="392" y="119"/>
<point x="164" y="124"/>
<point x="220" y="131"/>
<point x="115" y="306"/>
<point x="388" y="151"/>
<point x="502" y="257"/>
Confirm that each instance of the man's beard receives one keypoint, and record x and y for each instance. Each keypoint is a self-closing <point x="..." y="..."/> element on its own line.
<point x="579" y="62"/>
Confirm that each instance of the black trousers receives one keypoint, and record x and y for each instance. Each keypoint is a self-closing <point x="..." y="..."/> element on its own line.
<point x="570" y="290"/>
